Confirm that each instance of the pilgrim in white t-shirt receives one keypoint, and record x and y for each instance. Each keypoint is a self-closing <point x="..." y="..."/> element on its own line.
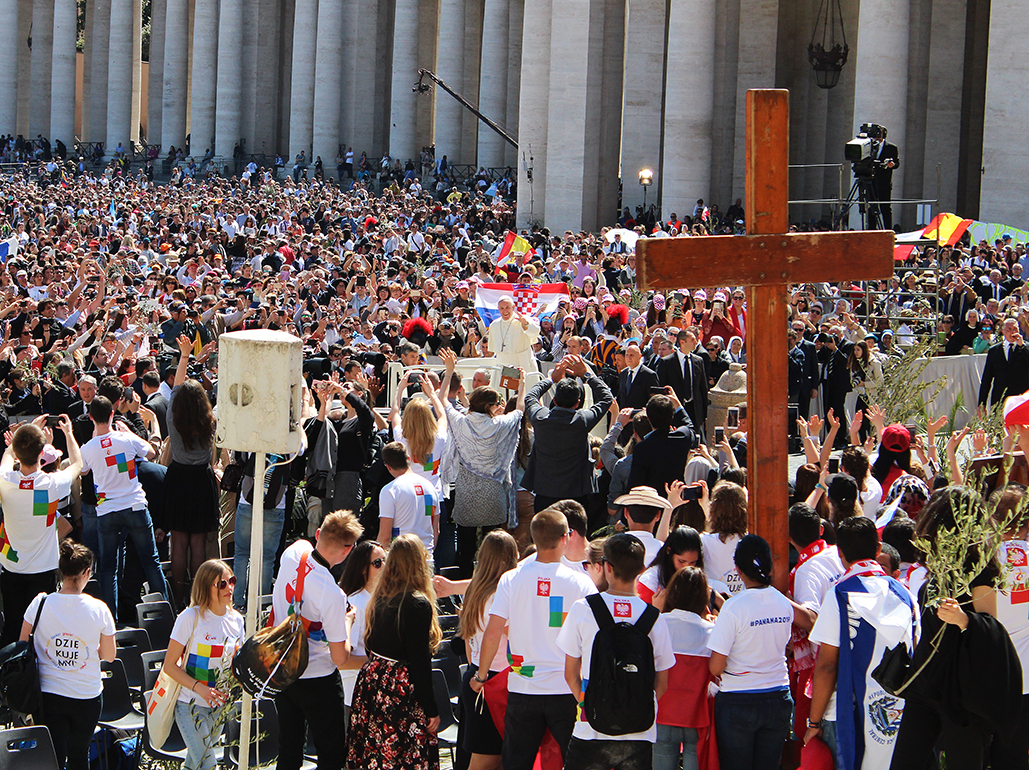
<point x="112" y="457"/>
<point x="534" y="599"/>
<point x="323" y="605"/>
<point x="752" y="631"/>
<point x="28" y="541"/>
<point x="408" y="504"/>
<point x="209" y="641"/>
<point x="67" y="642"/>
<point x="718" y="559"/>
<point x="576" y="641"/>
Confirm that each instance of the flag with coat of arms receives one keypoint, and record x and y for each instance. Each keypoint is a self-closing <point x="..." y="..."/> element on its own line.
<point x="530" y="299"/>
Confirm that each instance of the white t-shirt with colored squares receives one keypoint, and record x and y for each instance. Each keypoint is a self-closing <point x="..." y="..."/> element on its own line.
<point x="576" y="640"/>
<point x="412" y="503"/>
<point x="534" y="598"/>
<point x="112" y="457"/>
<point x="209" y="648"/>
<point x="28" y="535"/>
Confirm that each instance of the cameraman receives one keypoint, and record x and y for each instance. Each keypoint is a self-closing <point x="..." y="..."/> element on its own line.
<point x="887" y="158"/>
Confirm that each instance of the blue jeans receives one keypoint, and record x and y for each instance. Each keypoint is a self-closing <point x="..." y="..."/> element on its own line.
<point x="274" y="518"/>
<point x="113" y="528"/>
<point x="752" y="728"/>
<point x="199" y="733"/>
<point x="667" y="752"/>
<point x="89" y="528"/>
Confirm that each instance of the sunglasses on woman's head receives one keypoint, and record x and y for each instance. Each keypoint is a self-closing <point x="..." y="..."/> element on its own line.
<point x="224" y="583"/>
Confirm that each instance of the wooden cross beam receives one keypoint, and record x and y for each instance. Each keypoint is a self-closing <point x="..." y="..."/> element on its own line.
<point x="766" y="261"/>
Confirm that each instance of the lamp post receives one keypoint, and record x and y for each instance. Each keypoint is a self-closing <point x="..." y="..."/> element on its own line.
<point x="646" y="180"/>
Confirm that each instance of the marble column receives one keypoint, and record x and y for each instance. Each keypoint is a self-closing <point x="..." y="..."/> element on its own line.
<point x="881" y="74"/>
<point x="755" y="68"/>
<point x="943" y="115"/>
<point x="301" y="106"/>
<point x="534" y="111"/>
<point x="119" y="77"/>
<point x="175" y="86"/>
<point x="611" y="65"/>
<point x="24" y="66"/>
<point x="8" y="71"/>
<point x="100" y="46"/>
<point x="493" y="80"/>
<point x="1005" y="156"/>
<point x="203" y="80"/>
<point x="229" y="78"/>
<point x="328" y="69"/>
<point x="62" y="95"/>
<point x="642" y="101"/>
<point x="689" y="109"/>
<point x="514" y="78"/>
<point x="137" y="69"/>
<point x="403" y="142"/>
<point x="450" y="68"/>
<point x="351" y="86"/>
<point x="573" y="107"/>
<point x="470" y="85"/>
<point x="155" y="79"/>
<point x="42" y="67"/>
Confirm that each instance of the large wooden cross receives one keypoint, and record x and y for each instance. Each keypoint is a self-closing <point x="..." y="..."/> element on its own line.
<point x="766" y="260"/>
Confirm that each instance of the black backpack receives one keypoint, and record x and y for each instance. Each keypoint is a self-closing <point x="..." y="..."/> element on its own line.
<point x="620" y="693"/>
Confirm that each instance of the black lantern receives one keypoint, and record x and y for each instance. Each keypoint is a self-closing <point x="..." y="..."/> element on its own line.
<point x="826" y="53"/>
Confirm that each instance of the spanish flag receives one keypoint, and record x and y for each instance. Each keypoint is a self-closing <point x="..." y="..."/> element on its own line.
<point x="946" y="229"/>
<point x="513" y="244"/>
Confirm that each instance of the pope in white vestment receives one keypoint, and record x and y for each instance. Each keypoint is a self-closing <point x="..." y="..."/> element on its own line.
<point x="511" y="337"/>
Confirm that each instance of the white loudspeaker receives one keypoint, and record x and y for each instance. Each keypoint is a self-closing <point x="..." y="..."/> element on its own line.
<point x="259" y="390"/>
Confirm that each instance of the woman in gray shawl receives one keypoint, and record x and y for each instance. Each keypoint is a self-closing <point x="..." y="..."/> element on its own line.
<point x="478" y="460"/>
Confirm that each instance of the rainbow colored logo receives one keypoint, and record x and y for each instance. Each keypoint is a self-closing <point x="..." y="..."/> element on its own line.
<point x="41" y="506"/>
<point x="199" y="664"/>
<point x="518" y="665"/>
<point x="125" y="464"/>
<point x="6" y="549"/>
<point x="557" y="613"/>
<point x="431" y="465"/>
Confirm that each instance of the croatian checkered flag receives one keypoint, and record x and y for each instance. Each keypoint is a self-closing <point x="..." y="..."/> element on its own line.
<point x="530" y="300"/>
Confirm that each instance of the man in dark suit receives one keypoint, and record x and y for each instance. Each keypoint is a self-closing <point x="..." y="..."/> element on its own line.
<point x="559" y="466"/>
<point x="809" y="381"/>
<point x="836" y="381"/>
<point x="992" y="287"/>
<point x="661" y="457"/>
<point x="154" y="401"/>
<point x="882" y="176"/>
<point x="59" y="395"/>
<point x="1007" y="367"/>
<point x="635" y="380"/>
<point x="684" y="371"/>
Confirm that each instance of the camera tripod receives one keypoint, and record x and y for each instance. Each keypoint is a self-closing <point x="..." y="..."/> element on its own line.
<point x="861" y="192"/>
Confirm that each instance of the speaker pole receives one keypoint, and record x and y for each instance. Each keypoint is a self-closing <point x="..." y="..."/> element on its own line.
<point x="253" y="597"/>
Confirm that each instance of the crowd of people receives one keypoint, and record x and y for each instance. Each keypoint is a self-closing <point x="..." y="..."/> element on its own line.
<point x="532" y="488"/>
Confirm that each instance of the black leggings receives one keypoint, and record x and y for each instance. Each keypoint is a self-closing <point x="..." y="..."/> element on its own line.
<point x="71" y="722"/>
<point x="922" y="727"/>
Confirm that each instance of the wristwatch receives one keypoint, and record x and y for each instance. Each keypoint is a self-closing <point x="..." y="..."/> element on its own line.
<point x="475" y="676"/>
<point x="813" y="725"/>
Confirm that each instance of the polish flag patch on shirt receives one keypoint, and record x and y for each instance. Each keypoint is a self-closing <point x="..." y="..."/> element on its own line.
<point x="623" y="610"/>
<point x="543" y="587"/>
<point x="25" y="484"/>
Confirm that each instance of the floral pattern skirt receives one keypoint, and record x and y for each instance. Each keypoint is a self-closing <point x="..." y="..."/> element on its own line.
<point x="388" y="727"/>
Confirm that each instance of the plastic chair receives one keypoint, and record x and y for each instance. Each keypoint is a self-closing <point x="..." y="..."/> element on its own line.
<point x="264" y="605"/>
<point x="117" y="712"/>
<point x="157" y="619"/>
<point x="152" y="663"/>
<point x="447" y="735"/>
<point x="27" y="748"/>
<point x="132" y="643"/>
<point x="154" y="597"/>
<point x="448" y="625"/>
<point x="267" y="728"/>
<point x="446" y="661"/>
<point x="174" y="749"/>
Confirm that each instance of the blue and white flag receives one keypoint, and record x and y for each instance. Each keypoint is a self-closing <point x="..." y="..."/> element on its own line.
<point x="9" y="248"/>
